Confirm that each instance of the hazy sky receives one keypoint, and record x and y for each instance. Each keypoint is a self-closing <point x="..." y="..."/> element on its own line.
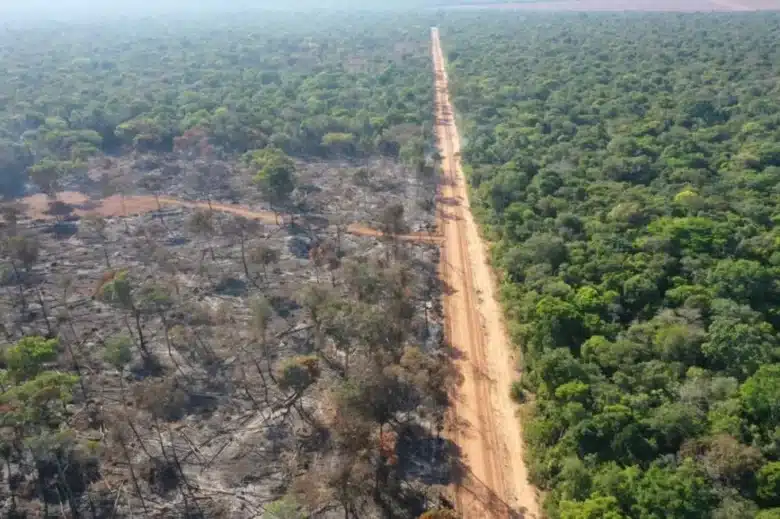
<point x="60" y="8"/>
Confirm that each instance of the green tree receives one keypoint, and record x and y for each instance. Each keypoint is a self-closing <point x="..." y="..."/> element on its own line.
<point x="745" y="281"/>
<point x="760" y="397"/>
<point x="681" y="493"/>
<point x="28" y="356"/>
<point x="596" y="507"/>
<point x="739" y="341"/>
<point x="119" y="291"/>
<point x="285" y="508"/>
<point x="768" y="484"/>
<point x="38" y="402"/>
<point x="275" y="175"/>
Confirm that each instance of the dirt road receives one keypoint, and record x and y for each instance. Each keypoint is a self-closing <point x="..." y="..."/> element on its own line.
<point x="493" y="479"/>
<point x="36" y="206"/>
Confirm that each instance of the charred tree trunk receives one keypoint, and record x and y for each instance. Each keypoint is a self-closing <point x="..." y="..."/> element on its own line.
<point x="45" y="313"/>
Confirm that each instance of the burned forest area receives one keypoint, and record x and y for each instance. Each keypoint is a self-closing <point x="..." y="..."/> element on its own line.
<point x="196" y="321"/>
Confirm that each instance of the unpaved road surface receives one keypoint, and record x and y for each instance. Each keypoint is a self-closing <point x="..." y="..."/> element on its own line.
<point x="492" y="481"/>
<point x="36" y="206"/>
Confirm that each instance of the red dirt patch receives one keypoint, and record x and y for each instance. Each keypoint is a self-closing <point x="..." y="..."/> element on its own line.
<point x="37" y="206"/>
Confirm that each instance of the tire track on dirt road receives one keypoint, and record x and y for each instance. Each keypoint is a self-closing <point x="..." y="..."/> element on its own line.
<point x="492" y="480"/>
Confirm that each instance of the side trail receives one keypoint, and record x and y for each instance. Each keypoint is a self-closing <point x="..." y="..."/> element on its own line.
<point x="37" y="205"/>
<point x="491" y="480"/>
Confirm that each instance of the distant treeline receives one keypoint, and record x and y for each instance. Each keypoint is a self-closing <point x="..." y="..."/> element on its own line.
<point x="224" y="87"/>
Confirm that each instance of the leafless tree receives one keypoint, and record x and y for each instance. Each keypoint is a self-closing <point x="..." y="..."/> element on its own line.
<point x="264" y="256"/>
<point x="242" y="229"/>
<point x="393" y="224"/>
<point x="202" y="223"/>
<point x="96" y="225"/>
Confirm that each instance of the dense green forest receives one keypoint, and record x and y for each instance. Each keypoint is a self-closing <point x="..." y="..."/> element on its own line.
<point x="626" y="168"/>
<point x="305" y="87"/>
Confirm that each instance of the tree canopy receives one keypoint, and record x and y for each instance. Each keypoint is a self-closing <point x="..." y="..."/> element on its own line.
<point x="210" y="85"/>
<point x="626" y="169"/>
